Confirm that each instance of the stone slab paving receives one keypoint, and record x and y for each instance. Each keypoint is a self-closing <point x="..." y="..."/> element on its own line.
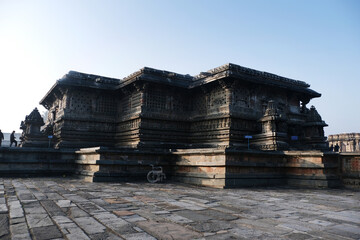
<point x="66" y="208"/>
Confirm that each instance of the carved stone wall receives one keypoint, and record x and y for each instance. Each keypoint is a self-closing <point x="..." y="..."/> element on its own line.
<point x="86" y="117"/>
<point x="154" y="108"/>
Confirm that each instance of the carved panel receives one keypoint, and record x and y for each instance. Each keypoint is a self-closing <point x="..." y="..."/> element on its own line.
<point x="105" y="104"/>
<point x="209" y="102"/>
<point x="210" y="125"/>
<point x="158" y="99"/>
<point x="129" y="125"/>
<point x="129" y="104"/>
<point x="81" y="101"/>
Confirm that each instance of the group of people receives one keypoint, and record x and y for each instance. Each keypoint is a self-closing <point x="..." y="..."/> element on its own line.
<point x="12" y="138"/>
<point x="334" y="148"/>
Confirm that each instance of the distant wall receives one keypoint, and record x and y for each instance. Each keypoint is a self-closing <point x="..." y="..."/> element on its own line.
<point x="347" y="142"/>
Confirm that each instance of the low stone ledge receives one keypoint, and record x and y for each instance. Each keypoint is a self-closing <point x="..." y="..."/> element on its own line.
<point x="117" y="151"/>
<point x="200" y="175"/>
<point x="313" y="177"/>
<point x="314" y="183"/>
<point x="117" y="162"/>
<point x="35" y="149"/>
<point x="255" y="175"/>
<point x="28" y="161"/>
<point x="277" y="165"/>
<point x="25" y="172"/>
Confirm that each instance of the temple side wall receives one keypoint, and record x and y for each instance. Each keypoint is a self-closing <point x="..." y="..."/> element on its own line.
<point x="83" y="118"/>
<point x="128" y="120"/>
<point x="151" y="115"/>
<point x="209" y="116"/>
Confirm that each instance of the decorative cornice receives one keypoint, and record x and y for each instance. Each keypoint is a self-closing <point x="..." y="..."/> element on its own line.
<point x="146" y="74"/>
<point x="233" y="68"/>
<point x="162" y="73"/>
<point x="91" y="78"/>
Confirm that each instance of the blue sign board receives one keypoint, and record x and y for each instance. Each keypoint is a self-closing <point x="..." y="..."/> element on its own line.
<point x="294" y="138"/>
<point x="248" y="137"/>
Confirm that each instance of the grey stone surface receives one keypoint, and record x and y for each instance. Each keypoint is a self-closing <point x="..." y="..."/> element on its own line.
<point x="148" y="211"/>
<point x="47" y="232"/>
<point x="52" y="208"/>
<point x="25" y="236"/>
<point x="3" y="208"/>
<point x="38" y="220"/>
<point x="4" y="227"/>
<point x="90" y="225"/>
<point x="16" y="209"/>
<point x="19" y="228"/>
<point x="138" y="236"/>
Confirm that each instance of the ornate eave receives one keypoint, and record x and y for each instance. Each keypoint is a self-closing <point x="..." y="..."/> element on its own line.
<point x="74" y="78"/>
<point x="146" y="74"/>
<point x="78" y="79"/>
<point x="244" y="74"/>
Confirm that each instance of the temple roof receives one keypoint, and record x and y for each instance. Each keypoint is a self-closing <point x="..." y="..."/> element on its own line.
<point x="244" y="74"/>
<point x="78" y="79"/>
<point x="160" y="76"/>
<point x="236" y="72"/>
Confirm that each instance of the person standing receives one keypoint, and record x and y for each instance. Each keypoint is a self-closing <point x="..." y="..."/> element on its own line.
<point x="1" y="137"/>
<point x="12" y="139"/>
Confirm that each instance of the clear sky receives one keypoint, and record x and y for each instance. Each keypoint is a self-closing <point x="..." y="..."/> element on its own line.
<point x="314" y="41"/>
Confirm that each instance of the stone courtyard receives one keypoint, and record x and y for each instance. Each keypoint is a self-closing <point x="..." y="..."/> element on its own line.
<point x="67" y="208"/>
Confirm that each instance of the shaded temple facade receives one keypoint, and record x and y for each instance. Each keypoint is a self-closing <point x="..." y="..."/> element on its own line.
<point x="159" y="109"/>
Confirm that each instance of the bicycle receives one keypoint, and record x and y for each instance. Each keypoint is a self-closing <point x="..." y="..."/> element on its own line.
<point x="156" y="174"/>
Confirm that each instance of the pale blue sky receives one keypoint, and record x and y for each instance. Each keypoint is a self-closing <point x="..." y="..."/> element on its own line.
<point x="315" y="41"/>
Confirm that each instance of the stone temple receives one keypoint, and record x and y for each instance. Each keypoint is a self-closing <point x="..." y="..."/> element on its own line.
<point x="160" y="109"/>
<point x="230" y="126"/>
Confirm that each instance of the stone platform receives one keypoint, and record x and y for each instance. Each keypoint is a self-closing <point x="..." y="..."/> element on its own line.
<point x="219" y="168"/>
<point x="66" y="208"/>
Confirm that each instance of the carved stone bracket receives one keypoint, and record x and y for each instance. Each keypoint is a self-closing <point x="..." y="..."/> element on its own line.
<point x="125" y="91"/>
<point x="140" y="87"/>
<point x="226" y="84"/>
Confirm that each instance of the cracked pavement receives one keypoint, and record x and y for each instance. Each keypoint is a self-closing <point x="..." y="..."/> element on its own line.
<point x="68" y="208"/>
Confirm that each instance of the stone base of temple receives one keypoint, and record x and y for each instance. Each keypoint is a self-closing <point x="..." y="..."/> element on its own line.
<point x="218" y="168"/>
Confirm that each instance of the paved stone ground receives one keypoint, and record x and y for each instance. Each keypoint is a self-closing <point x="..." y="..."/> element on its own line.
<point x="64" y="208"/>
